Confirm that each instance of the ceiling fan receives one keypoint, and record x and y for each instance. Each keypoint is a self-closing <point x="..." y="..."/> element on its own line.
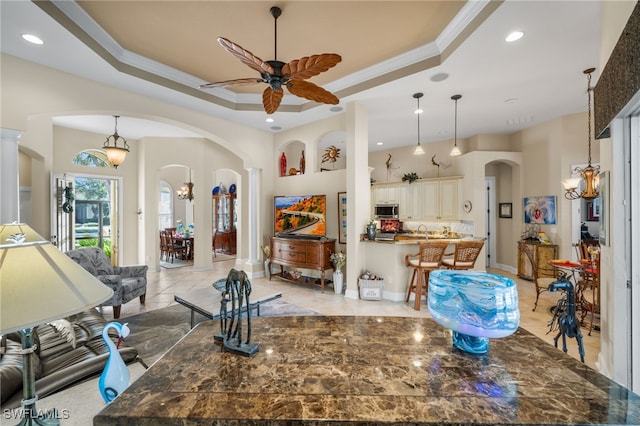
<point x="277" y="74"/>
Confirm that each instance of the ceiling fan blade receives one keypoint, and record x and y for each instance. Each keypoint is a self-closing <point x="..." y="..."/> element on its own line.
<point x="271" y="99"/>
<point x="236" y="82"/>
<point x="246" y="56"/>
<point x="304" y="68"/>
<point x="308" y="90"/>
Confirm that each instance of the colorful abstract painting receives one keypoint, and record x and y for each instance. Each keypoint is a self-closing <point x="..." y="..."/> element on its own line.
<point x="540" y="210"/>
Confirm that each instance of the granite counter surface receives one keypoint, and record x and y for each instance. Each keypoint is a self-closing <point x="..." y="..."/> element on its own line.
<point x="365" y="371"/>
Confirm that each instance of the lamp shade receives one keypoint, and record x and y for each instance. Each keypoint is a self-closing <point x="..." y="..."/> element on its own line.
<point x="39" y="283"/>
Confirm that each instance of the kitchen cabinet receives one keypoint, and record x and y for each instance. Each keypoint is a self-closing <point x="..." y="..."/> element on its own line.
<point x="440" y="199"/>
<point x="542" y="254"/>
<point x="424" y="199"/>
<point x="386" y="193"/>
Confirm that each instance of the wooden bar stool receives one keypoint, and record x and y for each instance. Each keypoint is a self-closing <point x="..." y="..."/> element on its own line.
<point x="465" y="255"/>
<point x="428" y="259"/>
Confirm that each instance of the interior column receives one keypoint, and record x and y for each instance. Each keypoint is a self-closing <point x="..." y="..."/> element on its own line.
<point x="10" y="200"/>
<point x="253" y="264"/>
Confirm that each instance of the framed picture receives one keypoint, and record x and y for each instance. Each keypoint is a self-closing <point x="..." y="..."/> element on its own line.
<point x="593" y="210"/>
<point x="506" y="210"/>
<point x="342" y="217"/>
<point x="603" y="187"/>
<point x="540" y="210"/>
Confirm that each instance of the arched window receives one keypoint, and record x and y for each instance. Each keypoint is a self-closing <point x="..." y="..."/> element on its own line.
<point x="92" y="158"/>
<point x="165" y="209"/>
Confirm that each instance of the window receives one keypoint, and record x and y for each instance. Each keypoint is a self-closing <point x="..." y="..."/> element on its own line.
<point x="165" y="209"/>
<point x="92" y="158"/>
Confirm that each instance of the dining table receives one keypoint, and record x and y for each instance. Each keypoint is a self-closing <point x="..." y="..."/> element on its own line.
<point x="188" y="241"/>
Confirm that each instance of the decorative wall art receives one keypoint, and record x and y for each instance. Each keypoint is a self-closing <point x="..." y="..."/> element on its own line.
<point x="540" y="210"/>
<point x="342" y="217"/>
<point x="603" y="187"/>
<point x="505" y="210"/>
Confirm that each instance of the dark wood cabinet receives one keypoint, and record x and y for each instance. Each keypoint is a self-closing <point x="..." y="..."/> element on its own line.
<point x="542" y="254"/>
<point x="224" y="222"/>
<point x="301" y="253"/>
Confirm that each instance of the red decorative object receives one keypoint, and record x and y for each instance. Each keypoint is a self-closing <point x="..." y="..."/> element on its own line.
<point x="302" y="163"/>
<point x="283" y="165"/>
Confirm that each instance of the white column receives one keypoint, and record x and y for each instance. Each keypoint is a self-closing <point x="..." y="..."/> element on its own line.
<point x="10" y="199"/>
<point x="254" y="238"/>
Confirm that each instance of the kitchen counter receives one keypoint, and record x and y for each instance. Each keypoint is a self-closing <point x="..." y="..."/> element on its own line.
<point x="367" y="371"/>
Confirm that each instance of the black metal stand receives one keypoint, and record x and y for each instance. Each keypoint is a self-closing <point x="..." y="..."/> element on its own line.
<point x="564" y="315"/>
<point x="237" y="291"/>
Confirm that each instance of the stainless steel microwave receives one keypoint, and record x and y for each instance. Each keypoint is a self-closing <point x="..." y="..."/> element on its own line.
<point x="386" y="211"/>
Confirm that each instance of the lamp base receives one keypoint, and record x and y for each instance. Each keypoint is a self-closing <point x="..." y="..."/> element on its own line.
<point x="471" y="344"/>
<point x="50" y="418"/>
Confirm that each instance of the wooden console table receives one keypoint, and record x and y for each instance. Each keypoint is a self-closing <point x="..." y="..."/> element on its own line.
<point x="542" y="254"/>
<point x="301" y="253"/>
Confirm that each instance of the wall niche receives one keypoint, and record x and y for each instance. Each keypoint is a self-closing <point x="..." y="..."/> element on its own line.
<point x="292" y="159"/>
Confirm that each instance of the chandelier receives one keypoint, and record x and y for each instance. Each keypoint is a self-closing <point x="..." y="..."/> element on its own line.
<point x="116" y="154"/>
<point x="590" y="173"/>
<point x="418" y="112"/>
<point x="186" y="192"/>
<point x="455" y="151"/>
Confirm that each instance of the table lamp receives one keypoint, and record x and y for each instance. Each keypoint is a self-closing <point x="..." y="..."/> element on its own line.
<point x="39" y="284"/>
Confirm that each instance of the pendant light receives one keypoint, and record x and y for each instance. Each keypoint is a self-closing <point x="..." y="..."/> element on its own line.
<point x="186" y="192"/>
<point x="455" y="151"/>
<point x="589" y="174"/>
<point x="116" y="154"/>
<point x="418" y="112"/>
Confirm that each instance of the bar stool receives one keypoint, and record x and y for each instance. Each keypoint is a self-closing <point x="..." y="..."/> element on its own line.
<point x="428" y="259"/>
<point x="465" y="255"/>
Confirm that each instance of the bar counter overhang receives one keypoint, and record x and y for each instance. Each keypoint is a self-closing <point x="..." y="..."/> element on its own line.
<point x="319" y="370"/>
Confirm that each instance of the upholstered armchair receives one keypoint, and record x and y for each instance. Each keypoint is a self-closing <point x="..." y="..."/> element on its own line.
<point x="127" y="282"/>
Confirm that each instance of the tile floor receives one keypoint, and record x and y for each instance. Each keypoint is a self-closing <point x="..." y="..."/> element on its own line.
<point x="163" y="284"/>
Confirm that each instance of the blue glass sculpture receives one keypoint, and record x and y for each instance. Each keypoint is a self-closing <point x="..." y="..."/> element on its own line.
<point x="476" y="306"/>
<point x="115" y="376"/>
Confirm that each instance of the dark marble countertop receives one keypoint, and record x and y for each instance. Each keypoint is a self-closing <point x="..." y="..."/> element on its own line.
<point x="368" y="370"/>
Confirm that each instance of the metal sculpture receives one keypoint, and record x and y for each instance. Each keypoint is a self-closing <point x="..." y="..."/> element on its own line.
<point x="237" y="291"/>
<point x="115" y="376"/>
<point x="564" y="316"/>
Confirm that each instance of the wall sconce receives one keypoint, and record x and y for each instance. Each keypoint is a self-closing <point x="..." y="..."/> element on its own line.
<point x="590" y="173"/>
<point x="116" y="154"/>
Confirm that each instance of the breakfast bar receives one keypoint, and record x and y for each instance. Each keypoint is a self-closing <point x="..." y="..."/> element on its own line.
<point x="363" y="371"/>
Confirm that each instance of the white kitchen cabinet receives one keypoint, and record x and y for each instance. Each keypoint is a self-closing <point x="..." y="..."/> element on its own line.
<point x="410" y="196"/>
<point x="386" y="193"/>
<point x="440" y="199"/>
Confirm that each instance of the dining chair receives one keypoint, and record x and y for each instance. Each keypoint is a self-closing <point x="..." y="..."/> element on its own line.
<point x="174" y="248"/>
<point x="164" y="249"/>
<point x="465" y="255"/>
<point x="542" y="275"/>
<point x="428" y="259"/>
<point x="589" y="289"/>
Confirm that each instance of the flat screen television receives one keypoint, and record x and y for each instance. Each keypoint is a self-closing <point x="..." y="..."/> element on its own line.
<point x="302" y="216"/>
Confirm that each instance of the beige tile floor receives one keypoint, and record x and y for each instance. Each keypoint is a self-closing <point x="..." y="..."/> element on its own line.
<point x="163" y="284"/>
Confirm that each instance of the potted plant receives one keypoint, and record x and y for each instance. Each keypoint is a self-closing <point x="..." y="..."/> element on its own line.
<point x="411" y="177"/>
<point x="339" y="260"/>
<point x="266" y="250"/>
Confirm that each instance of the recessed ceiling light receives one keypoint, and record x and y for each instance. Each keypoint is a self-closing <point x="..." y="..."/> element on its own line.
<point x="440" y="76"/>
<point x="335" y="109"/>
<point x="276" y="128"/>
<point x="379" y="143"/>
<point x="514" y="36"/>
<point x="269" y="120"/>
<point x="32" y="39"/>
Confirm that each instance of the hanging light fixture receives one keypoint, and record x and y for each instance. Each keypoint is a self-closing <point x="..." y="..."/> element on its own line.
<point x="116" y="154"/>
<point x="418" y="112"/>
<point x="590" y="173"/>
<point x="186" y="192"/>
<point x="455" y="151"/>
